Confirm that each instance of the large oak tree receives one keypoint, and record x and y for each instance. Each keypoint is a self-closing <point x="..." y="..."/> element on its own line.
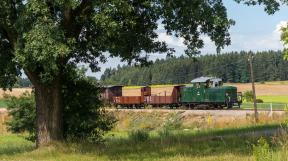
<point x="44" y="38"/>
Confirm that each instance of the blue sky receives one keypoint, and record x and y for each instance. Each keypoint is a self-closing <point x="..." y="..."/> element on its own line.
<point x="254" y="30"/>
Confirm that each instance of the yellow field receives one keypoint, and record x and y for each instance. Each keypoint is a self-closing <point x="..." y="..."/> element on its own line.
<point x="276" y="88"/>
<point x="15" y="92"/>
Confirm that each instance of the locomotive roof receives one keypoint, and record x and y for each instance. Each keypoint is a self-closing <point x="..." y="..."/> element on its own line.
<point x="205" y="79"/>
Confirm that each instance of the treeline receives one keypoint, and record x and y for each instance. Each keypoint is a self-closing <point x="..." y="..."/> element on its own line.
<point x="231" y="67"/>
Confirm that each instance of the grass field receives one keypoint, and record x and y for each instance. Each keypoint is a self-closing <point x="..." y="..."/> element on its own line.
<point x="181" y="145"/>
<point x="275" y="99"/>
<point x="3" y="103"/>
<point x="278" y="102"/>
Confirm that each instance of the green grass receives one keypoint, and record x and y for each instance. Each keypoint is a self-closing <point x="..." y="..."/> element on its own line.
<point x="3" y="103"/>
<point x="275" y="106"/>
<point x="13" y="144"/>
<point x="275" y="99"/>
<point x="278" y="102"/>
<point x="180" y="145"/>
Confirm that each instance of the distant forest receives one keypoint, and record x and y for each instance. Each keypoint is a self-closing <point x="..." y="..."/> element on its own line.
<point x="231" y="67"/>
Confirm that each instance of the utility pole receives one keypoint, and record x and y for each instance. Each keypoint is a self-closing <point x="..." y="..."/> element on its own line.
<point x="253" y="88"/>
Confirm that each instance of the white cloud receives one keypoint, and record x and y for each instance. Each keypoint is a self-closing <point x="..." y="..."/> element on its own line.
<point x="171" y="40"/>
<point x="247" y="42"/>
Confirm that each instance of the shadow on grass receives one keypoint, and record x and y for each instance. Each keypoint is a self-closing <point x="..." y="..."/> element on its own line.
<point x="214" y="143"/>
<point x="13" y="144"/>
<point x="191" y="145"/>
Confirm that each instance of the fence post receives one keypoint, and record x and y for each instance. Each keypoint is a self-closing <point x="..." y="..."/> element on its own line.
<point x="271" y="110"/>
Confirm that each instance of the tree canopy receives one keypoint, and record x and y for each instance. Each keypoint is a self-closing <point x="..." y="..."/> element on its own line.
<point x="44" y="37"/>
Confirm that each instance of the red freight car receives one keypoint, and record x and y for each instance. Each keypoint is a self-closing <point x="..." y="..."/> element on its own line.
<point x="108" y="92"/>
<point x="166" y="95"/>
<point x="132" y="96"/>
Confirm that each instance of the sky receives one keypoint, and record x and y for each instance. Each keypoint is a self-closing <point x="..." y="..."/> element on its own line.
<point x="254" y="30"/>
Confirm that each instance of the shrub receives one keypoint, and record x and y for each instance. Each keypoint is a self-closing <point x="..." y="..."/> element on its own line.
<point x="83" y="117"/>
<point x="139" y="135"/>
<point x="259" y="101"/>
<point x="23" y="114"/>
<point x="261" y="151"/>
<point x="248" y="96"/>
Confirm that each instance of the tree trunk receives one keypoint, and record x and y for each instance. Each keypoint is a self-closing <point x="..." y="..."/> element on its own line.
<point x="49" y="114"/>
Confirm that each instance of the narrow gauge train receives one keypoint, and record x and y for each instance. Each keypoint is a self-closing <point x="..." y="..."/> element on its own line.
<point x="203" y="93"/>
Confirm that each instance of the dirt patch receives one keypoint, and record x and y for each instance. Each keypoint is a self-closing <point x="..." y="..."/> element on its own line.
<point x="15" y="92"/>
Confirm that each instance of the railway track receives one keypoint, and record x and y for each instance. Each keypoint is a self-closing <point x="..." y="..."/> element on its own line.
<point x="167" y="109"/>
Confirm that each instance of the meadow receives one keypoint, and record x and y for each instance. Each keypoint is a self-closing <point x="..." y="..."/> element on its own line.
<point x="230" y="144"/>
<point x="161" y="136"/>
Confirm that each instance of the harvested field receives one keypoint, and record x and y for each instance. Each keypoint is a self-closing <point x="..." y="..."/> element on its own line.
<point x="128" y="91"/>
<point x="15" y="92"/>
<point x="162" y="91"/>
<point x="263" y="89"/>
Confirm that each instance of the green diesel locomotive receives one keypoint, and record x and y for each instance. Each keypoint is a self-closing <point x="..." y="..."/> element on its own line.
<point x="209" y="92"/>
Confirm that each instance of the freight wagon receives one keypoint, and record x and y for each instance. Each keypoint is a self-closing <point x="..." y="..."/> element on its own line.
<point x="132" y="97"/>
<point x="109" y="92"/>
<point x="164" y="96"/>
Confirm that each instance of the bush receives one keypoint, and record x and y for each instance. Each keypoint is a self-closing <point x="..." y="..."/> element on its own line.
<point x="83" y="117"/>
<point x="23" y="114"/>
<point x="248" y="96"/>
<point x="261" y="151"/>
<point x="139" y="135"/>
<point x="259" y="101"/>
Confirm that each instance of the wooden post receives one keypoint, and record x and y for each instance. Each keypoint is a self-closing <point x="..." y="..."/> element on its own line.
<point x="253" y="88"/>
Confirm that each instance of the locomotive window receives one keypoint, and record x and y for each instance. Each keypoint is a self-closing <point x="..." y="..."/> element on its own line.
<point x="207" y="84"/>
<point x="220" y="83"/>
